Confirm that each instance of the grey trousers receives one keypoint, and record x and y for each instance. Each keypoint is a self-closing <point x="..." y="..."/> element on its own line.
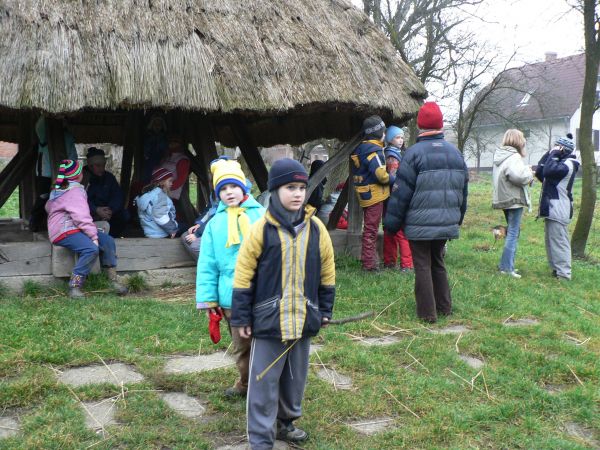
<point x="278" y="394"/>
<point x="558" y="247"/>
<point x="193" y="249"/>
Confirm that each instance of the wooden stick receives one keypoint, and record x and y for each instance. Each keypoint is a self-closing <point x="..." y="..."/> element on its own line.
<point x="352" y="318"/>
<point x="270" y="366"/>
<point x="456" y="343"/>
<point x="466" y="381"/>
<point x="575" y="375"/>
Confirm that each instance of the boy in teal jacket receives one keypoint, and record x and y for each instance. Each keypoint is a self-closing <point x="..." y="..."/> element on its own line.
<point x="221" y="241"/>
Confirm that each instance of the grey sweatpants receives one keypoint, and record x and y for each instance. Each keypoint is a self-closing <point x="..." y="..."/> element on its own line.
<point x="193" y="249"/>
<point x="558" y="247"/>
<point x="278" y="394"/>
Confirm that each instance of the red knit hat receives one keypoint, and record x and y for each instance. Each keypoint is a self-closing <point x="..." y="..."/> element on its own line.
<point x="430" y="117"/>
<point x="160" y="174"/>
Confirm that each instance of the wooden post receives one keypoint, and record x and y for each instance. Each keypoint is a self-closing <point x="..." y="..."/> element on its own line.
<point x="201" y="136"/>
<point x="187" y="209"/>
<point x="132" y="140"/>
<point x="55" y="136"/>
<point x="338" y="209"/>
<point x="355" y="216"/>
<point x="250" y="153"/>
<point x="15" y="171"/>
<point x="137" y="146"/>
<point x="27" y="185"/>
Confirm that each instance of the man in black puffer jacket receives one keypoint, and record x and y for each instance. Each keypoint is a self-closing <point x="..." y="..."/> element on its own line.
<point x="429" y="202"/>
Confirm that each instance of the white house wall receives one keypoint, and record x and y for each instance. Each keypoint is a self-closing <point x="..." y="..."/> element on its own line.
<point x="595" y="126"/>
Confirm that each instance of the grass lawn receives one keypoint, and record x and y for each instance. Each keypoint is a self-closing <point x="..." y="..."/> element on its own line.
<point x="435" y="399"/>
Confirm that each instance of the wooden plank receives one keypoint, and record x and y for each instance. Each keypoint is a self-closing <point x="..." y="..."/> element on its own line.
<point x="134" y="254"/>
<point x="200" y="134"/>
<point x="55" y="136"/>
<point x="355" y="214"/>
<point x="25" y="258"/>
<point x="250" y="153"/>
<point x="187" y="209"/>
<point x="131" y="138"/>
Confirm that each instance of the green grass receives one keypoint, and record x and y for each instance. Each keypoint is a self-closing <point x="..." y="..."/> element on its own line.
<point x="39" y="335"/>
<point x="11" y="207"/>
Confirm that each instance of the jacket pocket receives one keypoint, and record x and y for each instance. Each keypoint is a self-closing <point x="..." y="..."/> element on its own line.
<point x="364" y="192"/>
<point x="312" y="324"/>
<point x="265" y="317"/>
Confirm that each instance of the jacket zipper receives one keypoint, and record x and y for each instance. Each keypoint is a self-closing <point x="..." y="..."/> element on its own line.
<point x="294" y="285"/>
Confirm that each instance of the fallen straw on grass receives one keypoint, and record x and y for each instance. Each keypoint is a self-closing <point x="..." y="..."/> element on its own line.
<point x="402" y="404"/>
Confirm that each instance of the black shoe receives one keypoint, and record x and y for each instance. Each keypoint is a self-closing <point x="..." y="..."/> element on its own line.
<point x="233" y="392"/>
<point x="429" y="319"/>
<point x="289" y="433"/>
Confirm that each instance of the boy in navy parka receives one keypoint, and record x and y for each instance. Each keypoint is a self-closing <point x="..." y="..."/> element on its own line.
<point x="283" y="292"/>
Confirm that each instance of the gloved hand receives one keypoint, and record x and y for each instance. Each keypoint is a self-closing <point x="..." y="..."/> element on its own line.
<point x="214" y="329"/>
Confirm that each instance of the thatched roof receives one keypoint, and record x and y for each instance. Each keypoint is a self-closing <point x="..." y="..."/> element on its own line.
<point x="252" y="57"/>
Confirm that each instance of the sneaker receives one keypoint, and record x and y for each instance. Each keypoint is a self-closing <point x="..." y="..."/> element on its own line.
<point x="512" y="274"/>
<point x="290" y="433"/>
<point x="233" y="392"/>
<point x="75" y="292"/>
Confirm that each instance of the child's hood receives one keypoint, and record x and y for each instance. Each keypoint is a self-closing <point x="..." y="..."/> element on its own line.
<point x="56" y="194"/>
<point x="144" y="200"/>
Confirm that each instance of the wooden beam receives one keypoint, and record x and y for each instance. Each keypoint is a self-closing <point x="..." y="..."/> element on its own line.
<point x="14" y="172"/>
<point x="138" y="150"/>
<point x="27" y="192"/>
<point x="338" y="209"/>
<point x="355" y="216"/>
<point x="200" y="133"/>
<point x="55" y="136"/>
<point x="132" y="137"/>
<point x="185" y="205"/>
<point x="250" y="153"/>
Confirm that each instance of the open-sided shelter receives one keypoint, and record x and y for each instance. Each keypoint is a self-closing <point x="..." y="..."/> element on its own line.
<point x="244" y="73"/>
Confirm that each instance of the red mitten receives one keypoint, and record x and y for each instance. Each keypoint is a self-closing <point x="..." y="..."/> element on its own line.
<point x="214" y="328"/>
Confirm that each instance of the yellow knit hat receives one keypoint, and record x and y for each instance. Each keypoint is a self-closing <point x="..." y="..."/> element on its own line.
<point x="228" y="171"/>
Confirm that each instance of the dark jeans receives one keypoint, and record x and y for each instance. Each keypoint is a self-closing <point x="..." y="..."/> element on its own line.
<point x="432" y="291"/>
<point x="87" y="251"/>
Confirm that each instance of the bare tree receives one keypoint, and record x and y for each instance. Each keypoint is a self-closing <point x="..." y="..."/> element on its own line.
<point x="425" y="33"/>
<point x="591" y="25"/>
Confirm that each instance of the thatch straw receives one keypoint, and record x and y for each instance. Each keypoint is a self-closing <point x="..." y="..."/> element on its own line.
<point x="267" y="57"/>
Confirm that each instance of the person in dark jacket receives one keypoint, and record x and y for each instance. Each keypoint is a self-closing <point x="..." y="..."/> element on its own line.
<point x="282" y="301"/>
<point x="372" y="186"/>
<point x="429" y="201"/>
<point x="105" y="196"/>
<point x="557" y="170"/>
<point x="316" y="198"/>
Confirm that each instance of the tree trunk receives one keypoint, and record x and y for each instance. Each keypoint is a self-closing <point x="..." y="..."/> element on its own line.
<point x="588" y="189"/>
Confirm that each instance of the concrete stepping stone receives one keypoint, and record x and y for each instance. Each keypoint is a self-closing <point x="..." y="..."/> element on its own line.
<point x="199" y="363"/>
<point x="521" y="322"/>
<point x="372" y="426"/>
<point x="315" y="348"/>
<point x="99" y="415"/>
<point x="379" y="341"/>
<point x="338" y="380"/>
<point x="184" y="404"/>
<point x="582" y="433"/>
<point x="554" y="389"/>
<point x="115" y="373"/>
<point x="9" y="426"/>
<point x="471" y="361"/>
<point x="452" y="329"/>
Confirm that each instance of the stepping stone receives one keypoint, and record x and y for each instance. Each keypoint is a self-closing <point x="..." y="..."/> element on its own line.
<point x="452" y="329"/>
<point x="582" y="433"/>
<point x="279" y="445"/>
<point x="99" y="415"/>
<point x="9" y="426"/>
<point x="199" y="363"/>
<point x="315" y="348"/>
<point x="373" y="426"/>
<point x="183" y="404"/>
<point x="116" y="374"/>
<point x="470" y="361"/>
<point x="333" y="377"/>
<point x="379" y="341"/>
<point x="521" y="322"/>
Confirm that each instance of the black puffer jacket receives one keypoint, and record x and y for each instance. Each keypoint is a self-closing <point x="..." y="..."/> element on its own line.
<point x="430" y="197"/>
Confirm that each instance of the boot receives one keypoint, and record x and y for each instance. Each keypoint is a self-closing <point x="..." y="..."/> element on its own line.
<point x="75" y="284"/>
<point x="111" y="274"/>
<point x="289" y="433"/>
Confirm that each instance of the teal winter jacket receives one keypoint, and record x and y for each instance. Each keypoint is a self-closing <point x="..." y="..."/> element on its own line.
<point x="216" y="264"/>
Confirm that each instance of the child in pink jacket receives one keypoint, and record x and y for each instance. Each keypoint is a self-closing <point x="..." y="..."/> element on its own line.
<point x="70" y="225"/>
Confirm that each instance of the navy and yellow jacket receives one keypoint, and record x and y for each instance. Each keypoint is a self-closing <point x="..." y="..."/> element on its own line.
<point x="371" y="180"/>
<point x="284" y="284"/>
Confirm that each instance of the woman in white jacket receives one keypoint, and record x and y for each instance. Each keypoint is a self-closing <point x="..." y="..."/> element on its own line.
<point x="511" y="178"/>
